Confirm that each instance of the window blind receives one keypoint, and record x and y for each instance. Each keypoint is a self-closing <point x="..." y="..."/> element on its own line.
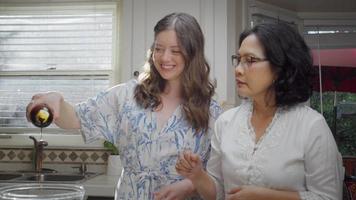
<point x="67" y="48"/>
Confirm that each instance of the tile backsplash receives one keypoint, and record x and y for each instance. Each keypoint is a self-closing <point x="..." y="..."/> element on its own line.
<point x="57" y="158"/>
<point x="63" y="153"/>
<point x="56" y="155"/>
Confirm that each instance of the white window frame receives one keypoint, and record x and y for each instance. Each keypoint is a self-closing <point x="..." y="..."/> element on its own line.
<point x="111" y="73"/>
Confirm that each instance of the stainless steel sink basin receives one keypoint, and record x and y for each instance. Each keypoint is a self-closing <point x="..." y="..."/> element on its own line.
<point x="56" y="177"/>
<point x="29" y="177"/>
<point x="9" y="176"/>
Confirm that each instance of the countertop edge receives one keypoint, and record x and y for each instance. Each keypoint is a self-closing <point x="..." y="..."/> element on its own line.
<point x="101" y="185"/>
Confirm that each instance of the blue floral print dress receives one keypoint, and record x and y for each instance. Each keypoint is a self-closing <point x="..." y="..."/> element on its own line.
<point x="148" y="155"/>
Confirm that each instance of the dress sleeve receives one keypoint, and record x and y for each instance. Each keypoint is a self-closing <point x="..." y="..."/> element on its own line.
<point x="323" y="164"/>
<point x="214" y="164"/>
<point x="100" y="116"/>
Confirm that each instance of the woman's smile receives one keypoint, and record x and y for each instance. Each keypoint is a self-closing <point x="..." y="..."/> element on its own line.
<point x="167" y="66"/>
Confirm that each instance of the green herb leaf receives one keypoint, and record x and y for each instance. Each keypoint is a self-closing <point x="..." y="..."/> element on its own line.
<point x="110" y="146"/>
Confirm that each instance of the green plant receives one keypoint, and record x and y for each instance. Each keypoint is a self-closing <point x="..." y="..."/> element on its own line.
<point x="344" y="128"/>
<point x="110" y="146"/>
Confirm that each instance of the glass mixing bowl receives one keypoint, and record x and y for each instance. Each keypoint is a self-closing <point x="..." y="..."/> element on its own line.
<point x="38" y="191"/>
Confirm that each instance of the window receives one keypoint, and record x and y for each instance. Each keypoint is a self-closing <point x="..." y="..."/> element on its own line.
<point x="53" y="47"/>
<point x="334" y="48"/>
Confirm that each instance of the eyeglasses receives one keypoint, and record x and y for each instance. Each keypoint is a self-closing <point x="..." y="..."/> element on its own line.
<point x="245" y="61"/>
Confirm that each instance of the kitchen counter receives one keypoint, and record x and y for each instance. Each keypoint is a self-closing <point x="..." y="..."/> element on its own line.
<point x="101" y="185"/>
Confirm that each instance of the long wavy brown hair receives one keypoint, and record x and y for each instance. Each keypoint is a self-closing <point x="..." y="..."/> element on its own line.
<point x="197" y="89"/>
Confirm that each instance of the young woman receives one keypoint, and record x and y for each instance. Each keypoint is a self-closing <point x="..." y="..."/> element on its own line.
<point x="169" y="109"/>
<point x="272" y="146"/>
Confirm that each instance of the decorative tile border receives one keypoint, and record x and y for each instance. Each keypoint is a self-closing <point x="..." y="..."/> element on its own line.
<point x="56" y="155"/>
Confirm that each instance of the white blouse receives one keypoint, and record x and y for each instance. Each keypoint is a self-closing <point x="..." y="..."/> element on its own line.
<point x="296" y="153"/>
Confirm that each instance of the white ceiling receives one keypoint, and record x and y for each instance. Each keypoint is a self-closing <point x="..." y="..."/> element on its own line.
<point x="315" y="5"/>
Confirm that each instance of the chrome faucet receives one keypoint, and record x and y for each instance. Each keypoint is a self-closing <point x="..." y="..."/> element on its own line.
<point x="38" y="153"/>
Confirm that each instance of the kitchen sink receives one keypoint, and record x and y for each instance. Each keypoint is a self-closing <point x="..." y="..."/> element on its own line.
<point x="29" y="177"/>
<point x="56" y="177"/>
<point x="9" y="176"/>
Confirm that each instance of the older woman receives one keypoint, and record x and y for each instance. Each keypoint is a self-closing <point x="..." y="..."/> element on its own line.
<point x="272" y="146"/>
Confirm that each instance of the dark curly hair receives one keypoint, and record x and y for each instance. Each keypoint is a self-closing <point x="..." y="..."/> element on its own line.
<point x="290" y="59"/>
<point x="197" y="89"/>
